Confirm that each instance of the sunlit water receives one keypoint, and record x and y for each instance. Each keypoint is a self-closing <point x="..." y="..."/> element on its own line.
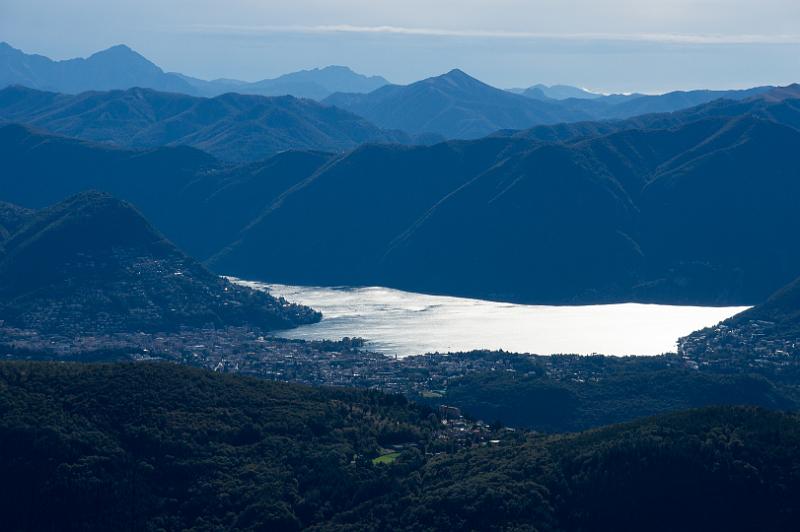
<point x="406" y="323"/>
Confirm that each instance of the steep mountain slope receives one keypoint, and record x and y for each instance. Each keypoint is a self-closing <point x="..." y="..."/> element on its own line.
<point x="361" y="202"/>
<point x="232" y="126"/>
<point x="454" y="105"/>
<point x="694" y="213"/>
<point x="632" y="215"/>
<point x="566" y="214"/>
<point x="93" y="264"/>
<point x="198" y="202"/>
<point x="12" y="217"/>
<point x="729" y="205"/>
<point x="118" y="67"/>
<point x="575" y="213"/>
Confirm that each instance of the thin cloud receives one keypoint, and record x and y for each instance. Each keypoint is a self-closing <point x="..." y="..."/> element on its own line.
<point x="666" y="38"/>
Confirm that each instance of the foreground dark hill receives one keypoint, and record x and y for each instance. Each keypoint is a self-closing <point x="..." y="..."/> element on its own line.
<point x="92" y="264"/>
<point x="232" y="126"/>
<point x="118" y="67"/>
<point x="145" y="447"/>
<point x="92" y="447"/>
<point x="627" y="477"/>
<point x="454" y="105"/>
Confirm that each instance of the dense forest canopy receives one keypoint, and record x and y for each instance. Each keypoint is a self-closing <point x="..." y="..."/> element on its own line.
<point x="150" y="447"/>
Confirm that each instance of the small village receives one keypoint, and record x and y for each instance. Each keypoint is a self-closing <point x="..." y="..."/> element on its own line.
<point x="753" y="340"/>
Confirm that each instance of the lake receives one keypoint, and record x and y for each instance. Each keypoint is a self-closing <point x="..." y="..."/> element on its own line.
<point x="402" y="323"/>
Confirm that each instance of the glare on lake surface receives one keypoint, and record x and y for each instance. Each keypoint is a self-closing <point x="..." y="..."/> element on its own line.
<point x="406" y="323"/>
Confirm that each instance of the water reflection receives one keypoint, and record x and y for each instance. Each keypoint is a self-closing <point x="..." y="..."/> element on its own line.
<point x="407" y="323"/>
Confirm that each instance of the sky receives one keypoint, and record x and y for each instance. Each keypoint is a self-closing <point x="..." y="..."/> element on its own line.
<point x="604" y="45"/>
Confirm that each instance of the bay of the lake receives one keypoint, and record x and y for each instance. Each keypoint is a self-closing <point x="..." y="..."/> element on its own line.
<point x="402" y="323"/>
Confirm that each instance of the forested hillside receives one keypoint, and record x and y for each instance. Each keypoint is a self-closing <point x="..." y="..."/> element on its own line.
<point x="93" y="264"/>
<point x="147" y="447"/>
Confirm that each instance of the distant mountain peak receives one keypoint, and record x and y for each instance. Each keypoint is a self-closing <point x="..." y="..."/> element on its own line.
<point x="339" y="68"/>
<point x="346" y="70"/>
<point x="122" y="67"/>
<point x="458" y="78"/>
<point x="122" y="52"/>
<point x="457" y="74"/>
<point x="117" y="48"/>
<point x="541" y="91"/>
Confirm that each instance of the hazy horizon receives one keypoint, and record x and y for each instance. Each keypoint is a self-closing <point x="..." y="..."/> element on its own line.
<point x="605" y="46"/>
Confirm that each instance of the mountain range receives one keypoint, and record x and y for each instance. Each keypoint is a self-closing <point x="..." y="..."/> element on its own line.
<point x="781" y="105"/>
<point x="316" y="84"/>
<point x="92" y="264"/>
<point x="453" y="105"/>
<point x="691" y="207"/>
<point x="457" y="105"/>
<point x="120" y="68"/>
<point x="694" y="213"/>
<point x="234" y="127"/>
